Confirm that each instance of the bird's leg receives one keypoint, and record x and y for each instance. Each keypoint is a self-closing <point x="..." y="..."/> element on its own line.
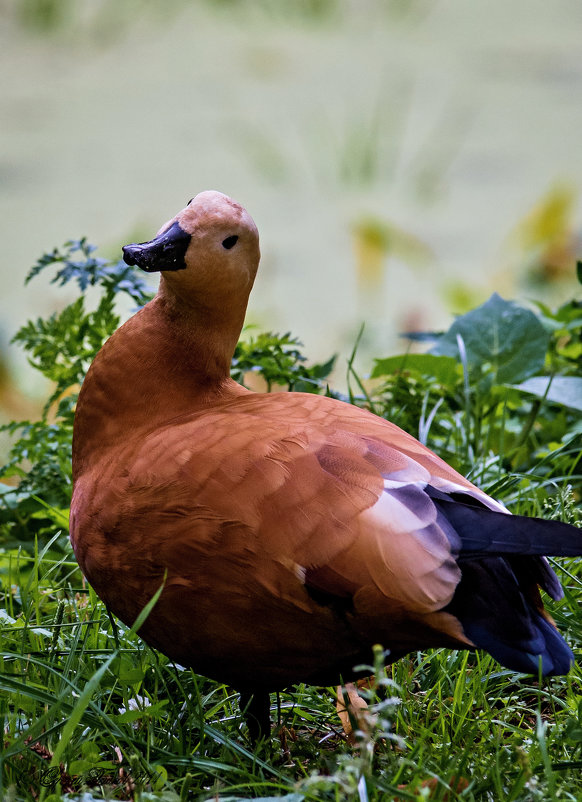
<point x="351" y="709"/>
<point x="256" y="709"/>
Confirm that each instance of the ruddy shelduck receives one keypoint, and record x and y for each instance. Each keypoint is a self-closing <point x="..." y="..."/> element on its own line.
<point x="290" y="531"/>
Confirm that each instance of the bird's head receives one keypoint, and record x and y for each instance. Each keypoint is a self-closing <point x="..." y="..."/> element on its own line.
<point x="207" y="253"/>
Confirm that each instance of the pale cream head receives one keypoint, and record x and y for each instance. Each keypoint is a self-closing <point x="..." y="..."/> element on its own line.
<point x="207" y="254"/>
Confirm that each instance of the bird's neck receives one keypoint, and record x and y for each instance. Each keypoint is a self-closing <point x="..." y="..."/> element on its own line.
<point x="166" y="361"/>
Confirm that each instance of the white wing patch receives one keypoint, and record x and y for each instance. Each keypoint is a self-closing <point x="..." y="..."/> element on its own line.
<point x="409" y="554"/>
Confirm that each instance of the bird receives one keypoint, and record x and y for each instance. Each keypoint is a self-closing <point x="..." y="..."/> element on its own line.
<point x="285" y="533"/>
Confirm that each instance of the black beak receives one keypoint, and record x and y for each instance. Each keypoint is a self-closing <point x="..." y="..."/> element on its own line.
<point x="165" y="252"/>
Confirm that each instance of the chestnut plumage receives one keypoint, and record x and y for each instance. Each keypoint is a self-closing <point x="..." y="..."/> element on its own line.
<point x="290" y="531"/>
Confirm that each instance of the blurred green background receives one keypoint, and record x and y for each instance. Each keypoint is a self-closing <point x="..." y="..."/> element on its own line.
<point x="401" y="159"/>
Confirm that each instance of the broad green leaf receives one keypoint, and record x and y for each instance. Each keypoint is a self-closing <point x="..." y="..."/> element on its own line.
<point x="126" y="671"/>
<point x="442" y="368"/>
<point x="500" y="336"/>
<point x="77" y="767"/>
<point x="573" y="730"/>
<point x="563" y="390"/>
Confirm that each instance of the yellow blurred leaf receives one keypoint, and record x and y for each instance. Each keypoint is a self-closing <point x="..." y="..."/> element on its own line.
<point x="550" y="220"/>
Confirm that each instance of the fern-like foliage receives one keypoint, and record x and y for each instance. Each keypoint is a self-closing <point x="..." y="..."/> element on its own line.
<point x="280" y="361"/>
<point x="61" y="347"/>
<point x="90" y="271"/>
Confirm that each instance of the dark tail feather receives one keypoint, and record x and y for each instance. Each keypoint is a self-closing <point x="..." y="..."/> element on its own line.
<point x="484" y="531"/>
<point x="502" y="563"/>
<point x="501" y="612"/>
<point x="555" y="655"/>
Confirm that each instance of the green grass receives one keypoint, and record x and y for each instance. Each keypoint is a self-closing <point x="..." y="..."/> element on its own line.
<point x="90" y="712"/>
<point x="92" y="699"/>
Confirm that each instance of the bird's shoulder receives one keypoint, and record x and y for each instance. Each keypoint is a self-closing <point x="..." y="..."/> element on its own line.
<point x="341" y="441"/>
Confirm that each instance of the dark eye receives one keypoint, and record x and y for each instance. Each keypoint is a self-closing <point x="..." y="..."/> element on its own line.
<point x="230" y="242"/>
<point x="190" y="201"/>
